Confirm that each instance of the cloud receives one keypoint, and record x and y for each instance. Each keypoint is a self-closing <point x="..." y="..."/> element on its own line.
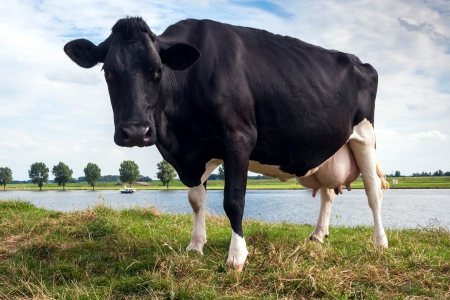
<point x="81" y="141"/>
<point x="386" y="134"/>
<point x="75" y="76"/>
<point x="115" y="152"/>
<point x="425" y="28"/>
<point x="11" y="145"/>
<point x="429" y="135"/>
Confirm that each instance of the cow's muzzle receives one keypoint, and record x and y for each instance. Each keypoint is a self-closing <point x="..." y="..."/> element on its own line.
<point x="134" y="135"/>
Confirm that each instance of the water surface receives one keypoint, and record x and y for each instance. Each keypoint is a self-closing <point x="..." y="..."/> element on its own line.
<point x="400" y="209"/>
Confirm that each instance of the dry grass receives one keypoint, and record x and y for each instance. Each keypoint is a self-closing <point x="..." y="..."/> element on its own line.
<point x="139" y="253"/>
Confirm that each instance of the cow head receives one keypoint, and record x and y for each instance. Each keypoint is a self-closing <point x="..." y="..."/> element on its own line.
<point x="133" y="60"/>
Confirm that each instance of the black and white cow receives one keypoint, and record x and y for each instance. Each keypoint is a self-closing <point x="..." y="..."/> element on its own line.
<point x="205" y="93"/>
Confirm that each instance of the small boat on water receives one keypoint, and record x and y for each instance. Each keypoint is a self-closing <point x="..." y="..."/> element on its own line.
<point x="127" y="190"/>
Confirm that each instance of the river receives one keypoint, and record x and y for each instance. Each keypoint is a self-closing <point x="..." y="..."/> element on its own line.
<point x="401" y="209"/>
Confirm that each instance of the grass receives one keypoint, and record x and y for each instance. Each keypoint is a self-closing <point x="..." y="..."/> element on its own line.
<point x="432" y="182"/>
<point x="102" y="253"/>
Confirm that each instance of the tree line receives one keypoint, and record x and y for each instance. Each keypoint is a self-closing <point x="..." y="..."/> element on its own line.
<point x="423" y="174"/>
<point x="129" y="173"/>
<point x="436" y="173"/>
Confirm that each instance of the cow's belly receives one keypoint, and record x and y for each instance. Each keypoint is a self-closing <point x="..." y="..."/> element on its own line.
<point x="340" y="169"/>
<point x="269" y="170"/>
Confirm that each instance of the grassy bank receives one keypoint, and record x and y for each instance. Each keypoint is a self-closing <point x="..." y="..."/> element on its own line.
<point x="139" y="254"/>
<point x="438" y="182"/>
<point x="157" y="185"/>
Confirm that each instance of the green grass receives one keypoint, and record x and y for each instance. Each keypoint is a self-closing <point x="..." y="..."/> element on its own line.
<point x="102" y="253"/>
<point x="438" y="182"/>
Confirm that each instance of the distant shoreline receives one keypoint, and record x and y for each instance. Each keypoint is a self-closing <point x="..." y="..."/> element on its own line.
<point x="429" y="182"/>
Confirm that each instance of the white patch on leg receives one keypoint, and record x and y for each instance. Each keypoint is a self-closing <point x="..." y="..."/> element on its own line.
<point x="321" y="229"/>
<point x="210" y="167"/>
<point x="238" y="252"/>
<point x="362" y="143"/>
<point x="197" y="199"/>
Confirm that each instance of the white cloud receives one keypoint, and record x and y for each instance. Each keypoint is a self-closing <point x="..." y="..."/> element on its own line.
<point x="76" y="76"/>
<point x="429" y="135"/>
<point x="11" y="145"/>
<point x="386" y="134"/>
<point x="115" y="152"/>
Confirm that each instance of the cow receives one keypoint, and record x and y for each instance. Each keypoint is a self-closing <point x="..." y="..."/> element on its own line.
<point x="207" y="93"/>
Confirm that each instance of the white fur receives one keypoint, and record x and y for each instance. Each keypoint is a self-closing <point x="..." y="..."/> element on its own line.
<point x="362" y="143"/>
<point x="321" y="229"/>
<point x="269" y="170"/>
<point x="238" y="252"/>
<point x="210" y="167"/>
<point x="197" y="199"/>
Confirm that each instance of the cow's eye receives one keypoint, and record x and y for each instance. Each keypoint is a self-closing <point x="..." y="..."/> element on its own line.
<point x="158" y="75"/>
<point x="108" y="75"/>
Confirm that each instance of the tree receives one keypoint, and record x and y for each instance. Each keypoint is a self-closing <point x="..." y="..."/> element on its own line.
<point x="447" y="173"/>
<point x="397" y="174"/>
<point x="166" y="173"/>
<point x="5" y="176"/>
<point x="38" y="174"/>
<point x="222" y="172"/>
<point x="62" y="174"/>
<point x="92" y="172"/>
<point x="129" y="171"/>
<point x="438" y="173"/>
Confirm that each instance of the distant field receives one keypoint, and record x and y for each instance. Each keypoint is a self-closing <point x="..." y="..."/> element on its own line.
<point x="438" y="182"/>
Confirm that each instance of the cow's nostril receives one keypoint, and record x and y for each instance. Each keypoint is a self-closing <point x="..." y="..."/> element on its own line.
<point x="125" y="136"/>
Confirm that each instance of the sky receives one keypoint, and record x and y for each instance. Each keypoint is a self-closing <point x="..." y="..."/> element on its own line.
<point x="51" y="110"/>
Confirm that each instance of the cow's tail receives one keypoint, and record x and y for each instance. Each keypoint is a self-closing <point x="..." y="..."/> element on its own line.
<point x="380" y="173"/>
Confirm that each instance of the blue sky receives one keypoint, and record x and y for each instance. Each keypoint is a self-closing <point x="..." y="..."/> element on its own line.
<point x="51" y="110"/>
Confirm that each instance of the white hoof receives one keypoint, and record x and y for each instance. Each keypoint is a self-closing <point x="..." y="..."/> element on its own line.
<point x="380" y="240"/>
<point x="196" y="245"/>
<point x="237" y="253"/>
<point x="318" y="236"/>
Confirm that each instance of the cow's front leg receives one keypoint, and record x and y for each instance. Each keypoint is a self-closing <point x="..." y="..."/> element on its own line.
<point x="236" y="166"/>
<point x="197" y="199"/>
<point x="321" y="230"/>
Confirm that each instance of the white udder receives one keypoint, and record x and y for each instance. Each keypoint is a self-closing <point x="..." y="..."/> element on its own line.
<point x="340" y="169"/>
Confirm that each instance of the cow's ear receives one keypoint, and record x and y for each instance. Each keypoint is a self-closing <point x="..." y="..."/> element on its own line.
<point x="84" y="53"/>
<point x="179" y="57"/>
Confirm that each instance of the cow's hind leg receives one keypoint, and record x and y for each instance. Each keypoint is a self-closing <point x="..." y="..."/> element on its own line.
<point x="326" y="200"/>
<point x="362" y="143"/>
<point x="197" y="199"/>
